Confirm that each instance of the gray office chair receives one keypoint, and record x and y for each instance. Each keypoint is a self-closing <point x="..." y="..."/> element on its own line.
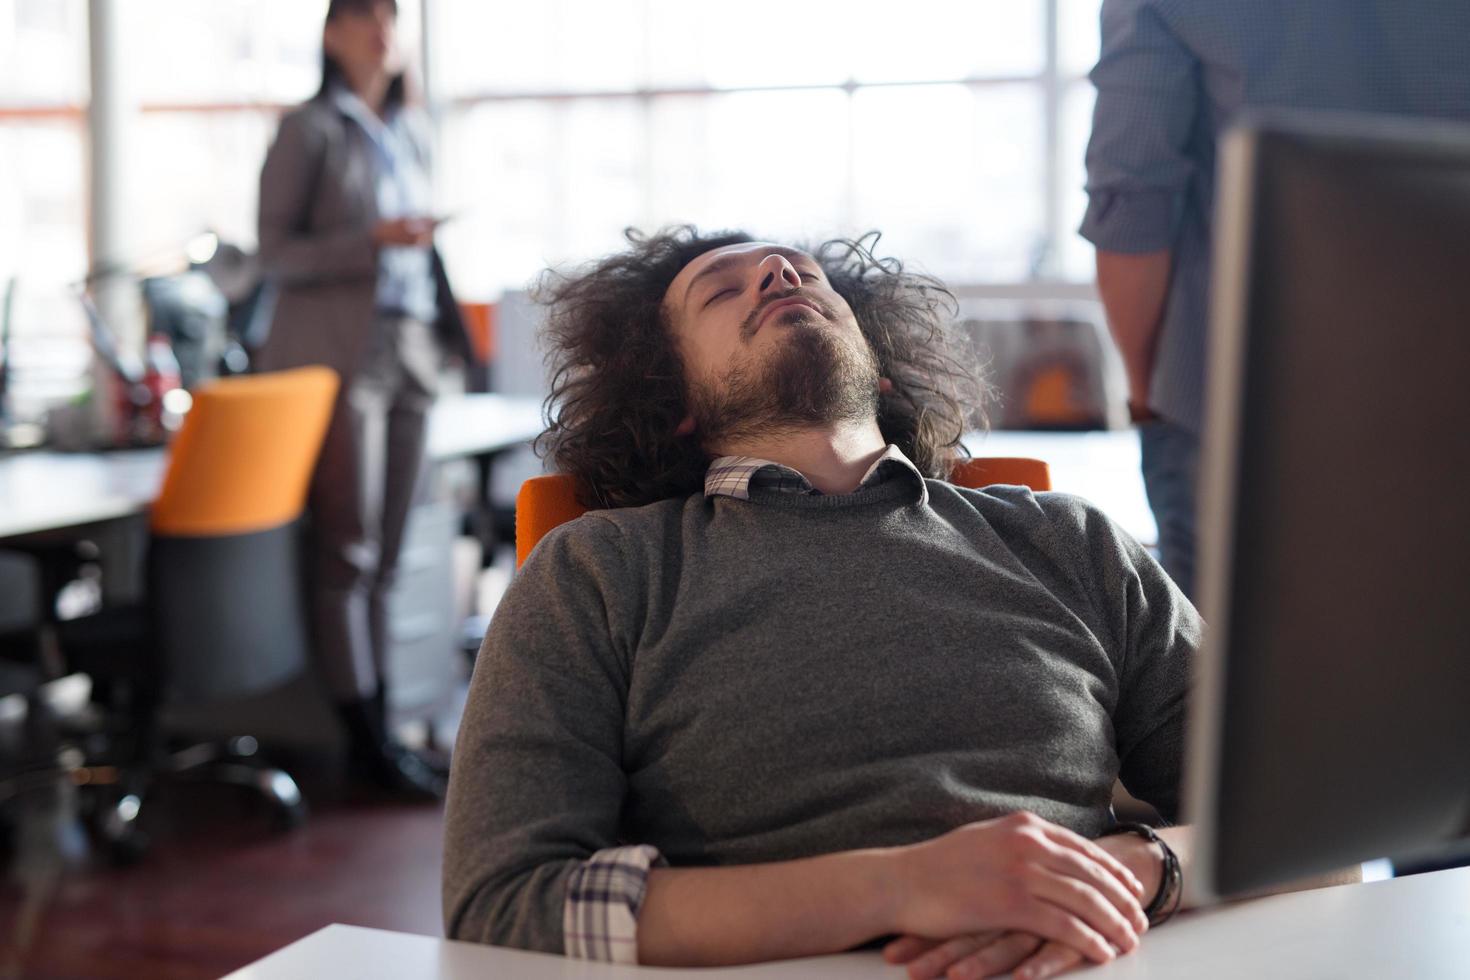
<point x="224" y="616"/>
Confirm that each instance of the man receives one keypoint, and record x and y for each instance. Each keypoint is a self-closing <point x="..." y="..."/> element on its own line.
<point x="1173" y="75"/>
<point x="793" y="692"/>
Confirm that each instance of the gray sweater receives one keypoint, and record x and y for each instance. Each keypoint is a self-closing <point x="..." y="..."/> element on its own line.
<point x="740" y="681"/>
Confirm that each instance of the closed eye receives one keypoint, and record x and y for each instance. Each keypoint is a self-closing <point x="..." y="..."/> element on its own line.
<point x="729" y="291"/>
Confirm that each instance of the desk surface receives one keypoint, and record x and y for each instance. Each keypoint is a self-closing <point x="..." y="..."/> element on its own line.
<point x="42" y="491"/>
<point x="47" y="491"/>
<point x="1101" y="466"/>
<point x="1405" y="927"/>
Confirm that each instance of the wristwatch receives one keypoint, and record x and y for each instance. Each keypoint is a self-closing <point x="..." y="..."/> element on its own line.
<point x="1171" y="884"/>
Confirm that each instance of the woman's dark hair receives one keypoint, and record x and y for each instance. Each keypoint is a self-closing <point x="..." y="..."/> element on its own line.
<point x="618" y="387"/>
<point x="332" y="73"/>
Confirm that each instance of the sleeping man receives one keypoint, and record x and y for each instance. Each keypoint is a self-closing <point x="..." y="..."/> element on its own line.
<point x="787" y="691"/>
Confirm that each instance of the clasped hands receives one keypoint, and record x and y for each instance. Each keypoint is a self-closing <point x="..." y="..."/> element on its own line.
<point x="1014" y="894"/>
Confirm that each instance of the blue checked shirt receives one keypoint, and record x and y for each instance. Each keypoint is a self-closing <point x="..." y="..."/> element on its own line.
<point x="1173" y="74"/>
<point x="605" y="893"/>
<point x="405" y="274"/>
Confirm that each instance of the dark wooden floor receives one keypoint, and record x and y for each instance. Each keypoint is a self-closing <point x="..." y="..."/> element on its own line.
<point x="218" y="889"/>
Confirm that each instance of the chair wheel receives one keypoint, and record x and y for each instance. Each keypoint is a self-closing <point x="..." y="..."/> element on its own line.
<point x="287" y="818"/>
<point x="128" y="850"/>
<point x="115" y="825"/>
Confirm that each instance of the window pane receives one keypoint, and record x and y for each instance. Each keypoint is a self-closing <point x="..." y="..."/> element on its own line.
<point x="591" y="45"/>
<point x="546" y="46"/>
<point x="953" y="173"/>
<point x="772" y="163"/>
<point x="43" y="251"/>
<point x="1077" y="35"/>
<point x="537" y="183"/>
<point x="41" y="200"/>
<point x="936" y="40"/>
<point x="196" y="172"/>
<point x="494" y="172"/>
<point x="598" y="190"/>
<point x="1076" y="251"/>
<point x="788" y="44"/>
<point x="236" y="50"/>
<point x="952" y="176"/>
<point x="43" y="52"/>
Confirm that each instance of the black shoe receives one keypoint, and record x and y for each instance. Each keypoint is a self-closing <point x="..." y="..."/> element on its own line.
<point x="380" y="759"/>
<point x="401" y="772"/>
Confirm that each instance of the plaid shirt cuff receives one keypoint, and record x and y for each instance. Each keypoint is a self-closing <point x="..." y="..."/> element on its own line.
<point x="604" y="894"/>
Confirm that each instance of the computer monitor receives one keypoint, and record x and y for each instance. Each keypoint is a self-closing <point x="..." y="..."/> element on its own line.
<point x="1331" y="714"/>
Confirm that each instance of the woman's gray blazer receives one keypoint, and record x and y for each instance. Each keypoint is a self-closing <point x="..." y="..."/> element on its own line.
<point x="318" y="206"/>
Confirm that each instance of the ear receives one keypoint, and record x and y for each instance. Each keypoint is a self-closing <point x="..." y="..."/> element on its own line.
<point x="686" y="427"/>
<point x="885" y="387"/>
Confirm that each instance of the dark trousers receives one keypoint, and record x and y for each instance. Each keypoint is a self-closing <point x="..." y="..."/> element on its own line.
<point x="1171" y="477"/>
<point x="360" y="498"/>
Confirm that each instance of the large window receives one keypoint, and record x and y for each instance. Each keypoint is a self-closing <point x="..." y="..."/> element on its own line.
<point x="956" y="128"/>
<point x="212" y="79"/>
<point x="43" y="242"/>
<point x="209" y="78"/>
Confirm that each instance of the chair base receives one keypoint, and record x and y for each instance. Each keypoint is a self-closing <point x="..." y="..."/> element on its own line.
<point x="118" y="796"/>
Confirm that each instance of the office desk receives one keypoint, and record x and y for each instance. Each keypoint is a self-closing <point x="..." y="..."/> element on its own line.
<point x="1415" y="927"/>
<point x="44" y="492"/>
<point x="1101" y="466"/>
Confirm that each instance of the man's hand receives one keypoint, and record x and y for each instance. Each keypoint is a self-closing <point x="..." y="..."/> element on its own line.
<point x="986" y="954"/>
<point x="1031" y="957"/>
<point x="1000" y="878"/>
<point x="1018" y="874"/>
<point x="1134" y="290"/>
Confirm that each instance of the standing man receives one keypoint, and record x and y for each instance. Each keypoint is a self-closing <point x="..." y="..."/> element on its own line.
<point x="1172" y="76"/>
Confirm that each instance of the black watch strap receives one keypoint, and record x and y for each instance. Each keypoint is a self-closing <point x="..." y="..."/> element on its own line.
<point x="1171" y="884"/>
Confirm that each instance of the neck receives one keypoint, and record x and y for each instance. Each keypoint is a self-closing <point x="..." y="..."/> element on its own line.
<point x="369" y="86"/>
<point x="833" y="458"/>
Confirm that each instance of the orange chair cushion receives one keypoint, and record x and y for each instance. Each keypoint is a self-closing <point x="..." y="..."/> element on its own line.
<point x="984" y="471"/>
<point x="244" y="457"/>
<point x="547" y="501"/>
<point x="543" y="503"/>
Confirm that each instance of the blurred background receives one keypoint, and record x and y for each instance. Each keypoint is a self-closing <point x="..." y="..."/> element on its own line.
<point x="132" y="134"/>
<point x="956" y="129"/>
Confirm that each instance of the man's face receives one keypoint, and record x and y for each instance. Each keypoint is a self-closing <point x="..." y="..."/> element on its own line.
<point x="767" y="343"/>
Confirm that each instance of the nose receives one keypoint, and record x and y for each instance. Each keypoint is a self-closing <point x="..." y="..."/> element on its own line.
<point x="776" y="273"/>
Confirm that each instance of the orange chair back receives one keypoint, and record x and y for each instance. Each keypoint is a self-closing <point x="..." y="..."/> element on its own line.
<point x="547" y="501"/>
<point x="1020" y="471"/>
<point x="243" y="459"/>
<point x="479" y="321"/>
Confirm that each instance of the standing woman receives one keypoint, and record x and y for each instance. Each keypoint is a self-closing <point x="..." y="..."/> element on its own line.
<point x="346" y="236"/>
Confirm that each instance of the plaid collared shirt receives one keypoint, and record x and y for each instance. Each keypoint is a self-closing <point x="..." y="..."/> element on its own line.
<point x="736" y="476"/>
<point x="605" y="892"/>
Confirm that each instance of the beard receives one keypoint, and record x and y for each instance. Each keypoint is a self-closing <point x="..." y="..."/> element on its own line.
<point x="814" y="377"/>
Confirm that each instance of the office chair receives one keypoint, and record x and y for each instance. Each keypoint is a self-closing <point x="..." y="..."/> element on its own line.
<point x="224" y="614"/>
<point x="545" y="502"/>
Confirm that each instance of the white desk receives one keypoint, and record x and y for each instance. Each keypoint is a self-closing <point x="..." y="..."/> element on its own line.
<point x="474" y="425"/>
<point x="49" y="491"/>
<point x="1101" y="466"/>
<point x="1416" y="927"/>
<point x="44" y="491"/>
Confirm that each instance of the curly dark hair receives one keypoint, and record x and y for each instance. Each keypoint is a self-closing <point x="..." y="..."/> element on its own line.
<point x="618" y="388"/>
